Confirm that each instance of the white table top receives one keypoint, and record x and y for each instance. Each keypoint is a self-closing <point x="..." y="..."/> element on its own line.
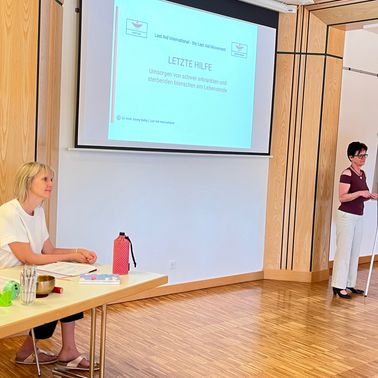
<point x="75" y="298"/>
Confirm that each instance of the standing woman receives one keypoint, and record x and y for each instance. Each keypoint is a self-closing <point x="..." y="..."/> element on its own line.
<point x="24" y="239"/>
<point x="353" y="192"/>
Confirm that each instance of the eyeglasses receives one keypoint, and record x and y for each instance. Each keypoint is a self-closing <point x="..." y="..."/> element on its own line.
<point x="361" y="156"/>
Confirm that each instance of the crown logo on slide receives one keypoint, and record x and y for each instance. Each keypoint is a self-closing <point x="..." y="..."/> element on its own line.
<point x="136" y="28"/>
<point x="137" y="24"/>
<point x="239" y="50"/>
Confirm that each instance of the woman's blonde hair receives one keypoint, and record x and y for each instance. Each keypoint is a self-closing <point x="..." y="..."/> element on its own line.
<point x="25" y="176"/>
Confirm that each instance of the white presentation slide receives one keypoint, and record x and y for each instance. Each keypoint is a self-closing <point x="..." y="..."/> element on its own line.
<point x="174" y="77"/>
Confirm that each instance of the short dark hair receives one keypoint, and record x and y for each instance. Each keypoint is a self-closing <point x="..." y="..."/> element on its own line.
<point x="355" y="147"/>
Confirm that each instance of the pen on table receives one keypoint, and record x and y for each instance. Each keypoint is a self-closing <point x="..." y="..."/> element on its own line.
<point x="58" y="290"/>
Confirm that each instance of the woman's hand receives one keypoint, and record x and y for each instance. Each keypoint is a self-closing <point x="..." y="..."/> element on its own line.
<point x="89" y="256"/>
<point x="78" y="257"/>
<point x="374" y="196"/>
<point x="365" y="194"/>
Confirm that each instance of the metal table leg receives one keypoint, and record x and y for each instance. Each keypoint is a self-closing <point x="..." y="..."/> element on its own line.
<point x="62" y="372"/>
<point x="35" y="352"/>
<point x="103" y="341"/>
<point x="92" y="347"/>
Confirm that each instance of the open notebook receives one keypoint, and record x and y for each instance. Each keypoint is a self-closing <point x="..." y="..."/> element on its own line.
<point x="65" y="269"/>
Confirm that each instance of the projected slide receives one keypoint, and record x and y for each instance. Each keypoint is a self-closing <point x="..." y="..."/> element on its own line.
<point x="181" y="76"/>
<point x="159" y="75"/>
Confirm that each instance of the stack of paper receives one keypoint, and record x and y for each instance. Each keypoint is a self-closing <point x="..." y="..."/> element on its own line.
<point x="65" y="269"/>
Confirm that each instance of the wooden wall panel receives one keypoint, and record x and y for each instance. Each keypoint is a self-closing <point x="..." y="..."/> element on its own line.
<point x="327" y="158"/>
<point x="349" y="12"/>
<point x="285" y="40"/>
<point x="301" y="32"/>
<point x="49" y="98"/>
<point x="307" y="171"/>
<point x="18" y="88"/>
<point x="304" y="19"/>
<point x="317" y="37"/>
<point x="297" y="236"/>
<point x="278" y="165"/>
<point x="322" y="4"/>
<point x="335" y="45"/>
<point x="290" y="172"/>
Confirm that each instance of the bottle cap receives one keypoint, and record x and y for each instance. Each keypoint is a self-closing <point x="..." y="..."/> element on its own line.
<point x="121" y="234"/>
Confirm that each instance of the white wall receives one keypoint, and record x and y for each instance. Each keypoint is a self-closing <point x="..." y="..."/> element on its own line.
<point x="204" y="213"/>
<point x="358" y="121"/>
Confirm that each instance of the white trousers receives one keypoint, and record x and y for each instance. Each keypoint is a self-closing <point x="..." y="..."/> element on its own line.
<point x="348" y="240"/>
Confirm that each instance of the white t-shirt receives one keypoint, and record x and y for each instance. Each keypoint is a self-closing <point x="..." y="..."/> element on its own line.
<point x="16" y="225"/>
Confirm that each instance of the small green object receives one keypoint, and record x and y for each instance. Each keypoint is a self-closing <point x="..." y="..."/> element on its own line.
<point x="14" y="287"/>
<point x="5" y="298"/>
<point x="10" y="291"/>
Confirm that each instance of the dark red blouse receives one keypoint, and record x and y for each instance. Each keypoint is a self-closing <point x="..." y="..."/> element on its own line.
<point x="356" y="183"/>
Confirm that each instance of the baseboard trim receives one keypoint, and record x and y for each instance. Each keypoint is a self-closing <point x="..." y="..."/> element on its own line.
<point x="361" y="260"/>
<point x="290" y="275"/>
<point x="195" y="285"/>
<point x="267" y="274"/>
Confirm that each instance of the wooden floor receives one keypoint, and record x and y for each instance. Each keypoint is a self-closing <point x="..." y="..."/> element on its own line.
<point x="258" y="329"/>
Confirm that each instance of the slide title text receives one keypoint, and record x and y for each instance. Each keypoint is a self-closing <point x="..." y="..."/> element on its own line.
<point x="184" y="62"/>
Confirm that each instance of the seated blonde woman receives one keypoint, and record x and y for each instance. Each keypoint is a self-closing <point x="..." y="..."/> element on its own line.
<point x="24" y="239"/>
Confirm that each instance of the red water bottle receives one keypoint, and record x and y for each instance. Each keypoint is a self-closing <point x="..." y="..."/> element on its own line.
<point x="121" y="254"/>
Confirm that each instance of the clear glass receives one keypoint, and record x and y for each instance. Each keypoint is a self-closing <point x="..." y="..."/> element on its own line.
<point x="28" y="281"/>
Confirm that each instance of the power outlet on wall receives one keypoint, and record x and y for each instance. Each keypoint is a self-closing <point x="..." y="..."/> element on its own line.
<point x="172" y="264"/>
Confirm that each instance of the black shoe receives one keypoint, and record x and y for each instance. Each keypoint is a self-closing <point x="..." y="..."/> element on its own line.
<point x="356" y="291"/>
<point x="338" y="292"/>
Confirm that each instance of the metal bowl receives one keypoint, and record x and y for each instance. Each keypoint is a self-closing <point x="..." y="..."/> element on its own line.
<point x="45" y="285"/>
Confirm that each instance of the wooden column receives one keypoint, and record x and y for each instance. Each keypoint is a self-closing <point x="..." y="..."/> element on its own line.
<point x="305" y="122"/>
<point x="49" y="97"/>
<point x="18" y="88"/>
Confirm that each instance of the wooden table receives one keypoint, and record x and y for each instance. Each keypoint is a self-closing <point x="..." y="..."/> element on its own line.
<point x="75" y="298"/>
